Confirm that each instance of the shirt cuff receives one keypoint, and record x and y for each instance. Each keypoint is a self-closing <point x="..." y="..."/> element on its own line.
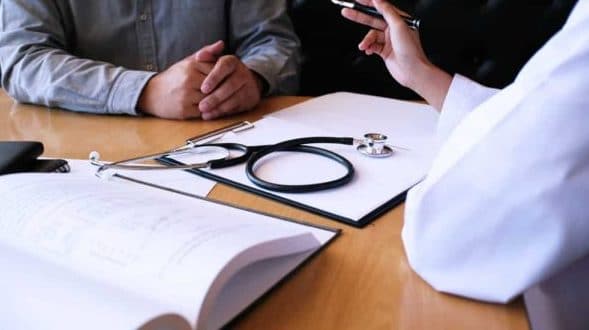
<point x="126" y="91"/>
<point x="463" y="96"/>
<point x="264" y="70"/>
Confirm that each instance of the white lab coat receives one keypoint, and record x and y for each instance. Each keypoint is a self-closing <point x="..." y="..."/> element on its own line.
<point x="505" y="205"/>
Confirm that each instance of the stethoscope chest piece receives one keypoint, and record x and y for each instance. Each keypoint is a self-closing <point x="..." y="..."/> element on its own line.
<point x="374" y="145"/>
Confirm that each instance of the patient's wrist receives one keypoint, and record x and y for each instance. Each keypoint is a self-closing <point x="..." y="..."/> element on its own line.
<point x="145" y="98"/>
<point x="261" y="83"/>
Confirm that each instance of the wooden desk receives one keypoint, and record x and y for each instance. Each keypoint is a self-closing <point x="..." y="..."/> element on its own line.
<point x="361" y="281"/>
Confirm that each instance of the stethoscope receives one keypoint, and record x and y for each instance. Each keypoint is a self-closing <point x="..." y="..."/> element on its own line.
<point x="372" y="145"/>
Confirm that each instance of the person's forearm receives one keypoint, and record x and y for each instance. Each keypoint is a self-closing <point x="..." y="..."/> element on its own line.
<point x="52" y="77"/>
<point x="431" y="83"/>
<point x="38" y="69"/>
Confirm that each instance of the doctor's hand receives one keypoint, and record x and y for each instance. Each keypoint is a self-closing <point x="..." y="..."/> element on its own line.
<point x="400" y="48"/>
<point x="175" y="93"/>
<point x="230" y="87"/>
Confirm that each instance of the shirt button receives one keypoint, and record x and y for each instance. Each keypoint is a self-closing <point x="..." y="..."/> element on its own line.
<point x="149" y="67"/>
<point x="143" y="17"/>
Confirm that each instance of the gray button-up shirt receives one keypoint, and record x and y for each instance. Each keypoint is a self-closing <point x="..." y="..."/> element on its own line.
<point x="96" y="56"/>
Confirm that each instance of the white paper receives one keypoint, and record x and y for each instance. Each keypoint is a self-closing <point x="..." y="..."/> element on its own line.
<point x="37" y="294"/>
<point x="407" y="124"/>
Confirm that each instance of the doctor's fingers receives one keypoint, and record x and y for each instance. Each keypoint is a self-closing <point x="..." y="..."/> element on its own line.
<point x="383" y="6"/>
<point x="361" y="18"/>
<point x="391" y="14"/>
<point x="377" y="49"/>
<point x="223" y="68"/>
<point x="372" y="37"/>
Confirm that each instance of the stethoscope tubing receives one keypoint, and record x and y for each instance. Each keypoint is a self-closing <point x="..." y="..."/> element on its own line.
<point x="300" y="145"/>
<point x="301" y="188"/>
<point x="252" y="154"/>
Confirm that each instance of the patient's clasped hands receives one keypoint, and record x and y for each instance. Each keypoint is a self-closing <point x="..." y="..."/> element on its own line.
<point x="206" y="84"/>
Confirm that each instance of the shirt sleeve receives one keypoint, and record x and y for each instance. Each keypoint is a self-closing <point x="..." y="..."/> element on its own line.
<point x="262" y="36"/>
<point x="463" y="96"/>
<point x="37" y="67"/>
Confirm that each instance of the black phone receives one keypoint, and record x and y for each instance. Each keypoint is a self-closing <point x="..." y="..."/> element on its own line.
<point x="22" y="156"/>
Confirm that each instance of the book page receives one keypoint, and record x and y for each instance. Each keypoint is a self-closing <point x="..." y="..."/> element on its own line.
<point x="248" y="284"/>
<point x="164" y="247"/>
<point x="37" y="294"/>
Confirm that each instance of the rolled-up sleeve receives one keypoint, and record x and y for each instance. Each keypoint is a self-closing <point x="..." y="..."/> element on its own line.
<point x="37" y="67"/>
<point x="263" y="37"/>
<point x="463" y="96"/>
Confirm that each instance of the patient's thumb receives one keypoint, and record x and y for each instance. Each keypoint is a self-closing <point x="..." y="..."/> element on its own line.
<point x="210" y="53"/>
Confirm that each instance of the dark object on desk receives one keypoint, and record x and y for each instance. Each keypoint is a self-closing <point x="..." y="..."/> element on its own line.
<point x="488" y="41"/>
<point x="21" y="156"/>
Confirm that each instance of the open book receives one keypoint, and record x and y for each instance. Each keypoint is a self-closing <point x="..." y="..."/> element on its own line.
<point x="77" y="252"/>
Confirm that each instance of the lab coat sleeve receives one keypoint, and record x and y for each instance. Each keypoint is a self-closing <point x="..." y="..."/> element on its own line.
<point x="510" y="211"/>
<point x="463" y="96"/>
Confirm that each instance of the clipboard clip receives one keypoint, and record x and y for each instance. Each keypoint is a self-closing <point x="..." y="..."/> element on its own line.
<point x="218" y="133"/>
<point x="137" y="163"/>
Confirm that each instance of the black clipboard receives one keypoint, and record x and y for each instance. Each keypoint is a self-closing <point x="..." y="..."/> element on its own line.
<point x="409" y="125"/>
<point x="363" y="221"/>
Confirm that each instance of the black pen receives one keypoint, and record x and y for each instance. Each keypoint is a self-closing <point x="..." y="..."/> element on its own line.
<point x="413" y="23"/>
